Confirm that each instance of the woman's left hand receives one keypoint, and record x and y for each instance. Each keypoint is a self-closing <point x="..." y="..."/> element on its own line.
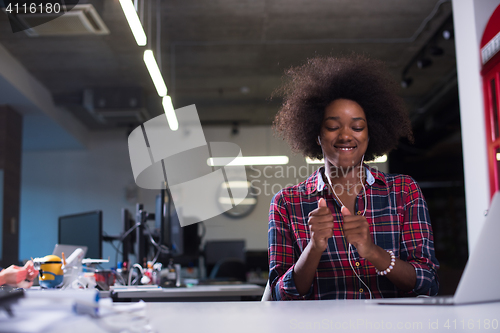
<point x="357" y="232"/>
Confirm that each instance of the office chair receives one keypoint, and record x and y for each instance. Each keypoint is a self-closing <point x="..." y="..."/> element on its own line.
<point x="267" y="296"/>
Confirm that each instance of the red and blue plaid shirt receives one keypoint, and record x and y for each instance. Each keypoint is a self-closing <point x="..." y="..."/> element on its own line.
<point x="399" y="221"/>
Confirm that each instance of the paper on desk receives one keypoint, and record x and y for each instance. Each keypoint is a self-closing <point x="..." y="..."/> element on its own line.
<point x="42" y="308"/>
<point x="31" y="321"/>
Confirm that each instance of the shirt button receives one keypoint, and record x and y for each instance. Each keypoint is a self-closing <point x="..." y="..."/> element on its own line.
<point x="360" y="290"/>
<point x="357" y="264"/>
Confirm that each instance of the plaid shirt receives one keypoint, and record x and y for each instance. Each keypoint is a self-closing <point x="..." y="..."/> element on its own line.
<point x="399" y="221"/>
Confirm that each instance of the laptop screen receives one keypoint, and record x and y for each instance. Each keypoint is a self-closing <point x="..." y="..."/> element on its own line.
<point x="83" y="229"/>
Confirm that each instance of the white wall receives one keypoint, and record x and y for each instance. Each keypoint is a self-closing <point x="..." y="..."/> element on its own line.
<point x="470" y="18"/>
<point x="55" y="183"/>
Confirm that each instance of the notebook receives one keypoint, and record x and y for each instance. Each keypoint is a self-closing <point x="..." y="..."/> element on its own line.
<point x="479" y="281"/>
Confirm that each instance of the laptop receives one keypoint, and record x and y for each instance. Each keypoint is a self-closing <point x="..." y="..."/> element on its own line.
<point x="68" y="250"/>
<point x="479" y="280"/>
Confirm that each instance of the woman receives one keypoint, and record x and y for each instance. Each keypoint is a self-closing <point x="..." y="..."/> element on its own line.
<point x="348" y="231"/>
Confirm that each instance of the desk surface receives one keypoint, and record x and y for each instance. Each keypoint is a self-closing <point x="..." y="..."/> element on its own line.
<point x="312" y="316"/>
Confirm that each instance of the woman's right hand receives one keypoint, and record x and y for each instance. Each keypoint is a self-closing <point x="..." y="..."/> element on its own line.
<point x="321" y="226"/>
<point x="12" y="275"/>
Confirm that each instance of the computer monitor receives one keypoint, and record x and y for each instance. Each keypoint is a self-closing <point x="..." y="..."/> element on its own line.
<point x="180" y="240"/>
<point x="218" y="250"/>
<point x="167" y="222"/>
<point x="82" y="229"/>
<point x="128" y="241"/>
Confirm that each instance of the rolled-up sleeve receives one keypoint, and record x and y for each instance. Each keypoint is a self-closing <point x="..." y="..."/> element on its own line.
<point x="282" y="256"/>
<point x="417" y="243"/>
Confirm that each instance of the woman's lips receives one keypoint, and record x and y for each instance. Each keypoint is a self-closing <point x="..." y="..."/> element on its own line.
<point x="345" y="148"/>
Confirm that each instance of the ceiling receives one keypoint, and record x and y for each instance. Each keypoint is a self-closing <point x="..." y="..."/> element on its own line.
<point x="228" y="56"/>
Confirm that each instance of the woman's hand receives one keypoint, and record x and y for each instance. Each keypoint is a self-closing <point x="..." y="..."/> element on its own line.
<point x="12" y="275"/>
<point x="357" y="232"/>
<point x="19" y="276"/>
<point x="321" y="226"/>
<point x="31" y="272"/>
<point x="321" y="229"/>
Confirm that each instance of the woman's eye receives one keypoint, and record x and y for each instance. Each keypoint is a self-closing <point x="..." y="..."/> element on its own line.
<point x="332" y="128"/>
<point x="358" y="129"/>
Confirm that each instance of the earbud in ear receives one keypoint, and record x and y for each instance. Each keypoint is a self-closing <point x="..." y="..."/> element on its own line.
<point x="319" y="140"/>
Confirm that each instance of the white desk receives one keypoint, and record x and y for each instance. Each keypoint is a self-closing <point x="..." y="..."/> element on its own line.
<point x="207" y="293"/>
<point x="308" y="316"/>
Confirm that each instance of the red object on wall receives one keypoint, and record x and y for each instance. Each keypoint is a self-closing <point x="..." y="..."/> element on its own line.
<point x="490" y="55"/>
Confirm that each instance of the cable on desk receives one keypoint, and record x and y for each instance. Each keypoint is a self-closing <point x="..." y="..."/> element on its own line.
<point x="139" y="267"/>
<point x="159" y="247"/>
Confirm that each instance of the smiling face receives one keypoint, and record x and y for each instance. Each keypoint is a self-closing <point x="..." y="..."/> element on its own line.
<point x="344" y="133"/>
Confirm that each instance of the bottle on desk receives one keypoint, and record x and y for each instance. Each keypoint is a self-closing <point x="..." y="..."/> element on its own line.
<point x="121" y="273"/>
<point x="169" y="275"/>
<point x="156" y="277"/>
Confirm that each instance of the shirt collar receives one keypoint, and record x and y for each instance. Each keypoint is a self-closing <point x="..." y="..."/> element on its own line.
<point x="370" y="178"/>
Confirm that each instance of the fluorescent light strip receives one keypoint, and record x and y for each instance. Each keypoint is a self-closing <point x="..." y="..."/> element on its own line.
<point x="134" y="22"/>
<point x="236" y="184"/>
<point x="170" y="113"/>
<point x="248" y="160"/>
<point x="311" y="161"/>
<point x="246" y="201"/>
<point x="154" y="71"/>
<point x="380" y="159"/>
<point x="498" y="156"/>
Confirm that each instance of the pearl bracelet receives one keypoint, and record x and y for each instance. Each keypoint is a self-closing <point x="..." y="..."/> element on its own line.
<point x="391" y="265"/>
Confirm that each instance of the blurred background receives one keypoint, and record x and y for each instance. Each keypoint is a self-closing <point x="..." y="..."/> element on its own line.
<point x="79" y="91"/>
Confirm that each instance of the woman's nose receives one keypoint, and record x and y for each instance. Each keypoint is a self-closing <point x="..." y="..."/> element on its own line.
<point x="345" y="134"/>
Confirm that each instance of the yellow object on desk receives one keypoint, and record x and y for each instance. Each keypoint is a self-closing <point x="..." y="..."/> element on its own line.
<point x="51" y="273"/>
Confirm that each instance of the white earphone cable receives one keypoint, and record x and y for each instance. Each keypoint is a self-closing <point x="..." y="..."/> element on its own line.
<point x="340" y="201"/>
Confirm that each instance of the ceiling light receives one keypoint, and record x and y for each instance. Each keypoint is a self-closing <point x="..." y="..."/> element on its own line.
<point x="134" y="22"/>
<point x="424" y="62"/>
<point x="447" y="34"/>
<point x="155" y="73"/>
<point x="246" y="201"/>
<point x="170" y="113"/>
<point x="311" y="161"/>
<point x="380" y="159"/>
<point x="248" y="160"/>
<point x="405" y="83"/>
<point x="236" y="184"/>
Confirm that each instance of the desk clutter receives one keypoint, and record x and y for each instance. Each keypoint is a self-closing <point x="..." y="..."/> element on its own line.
<point x="38" y="310"/>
